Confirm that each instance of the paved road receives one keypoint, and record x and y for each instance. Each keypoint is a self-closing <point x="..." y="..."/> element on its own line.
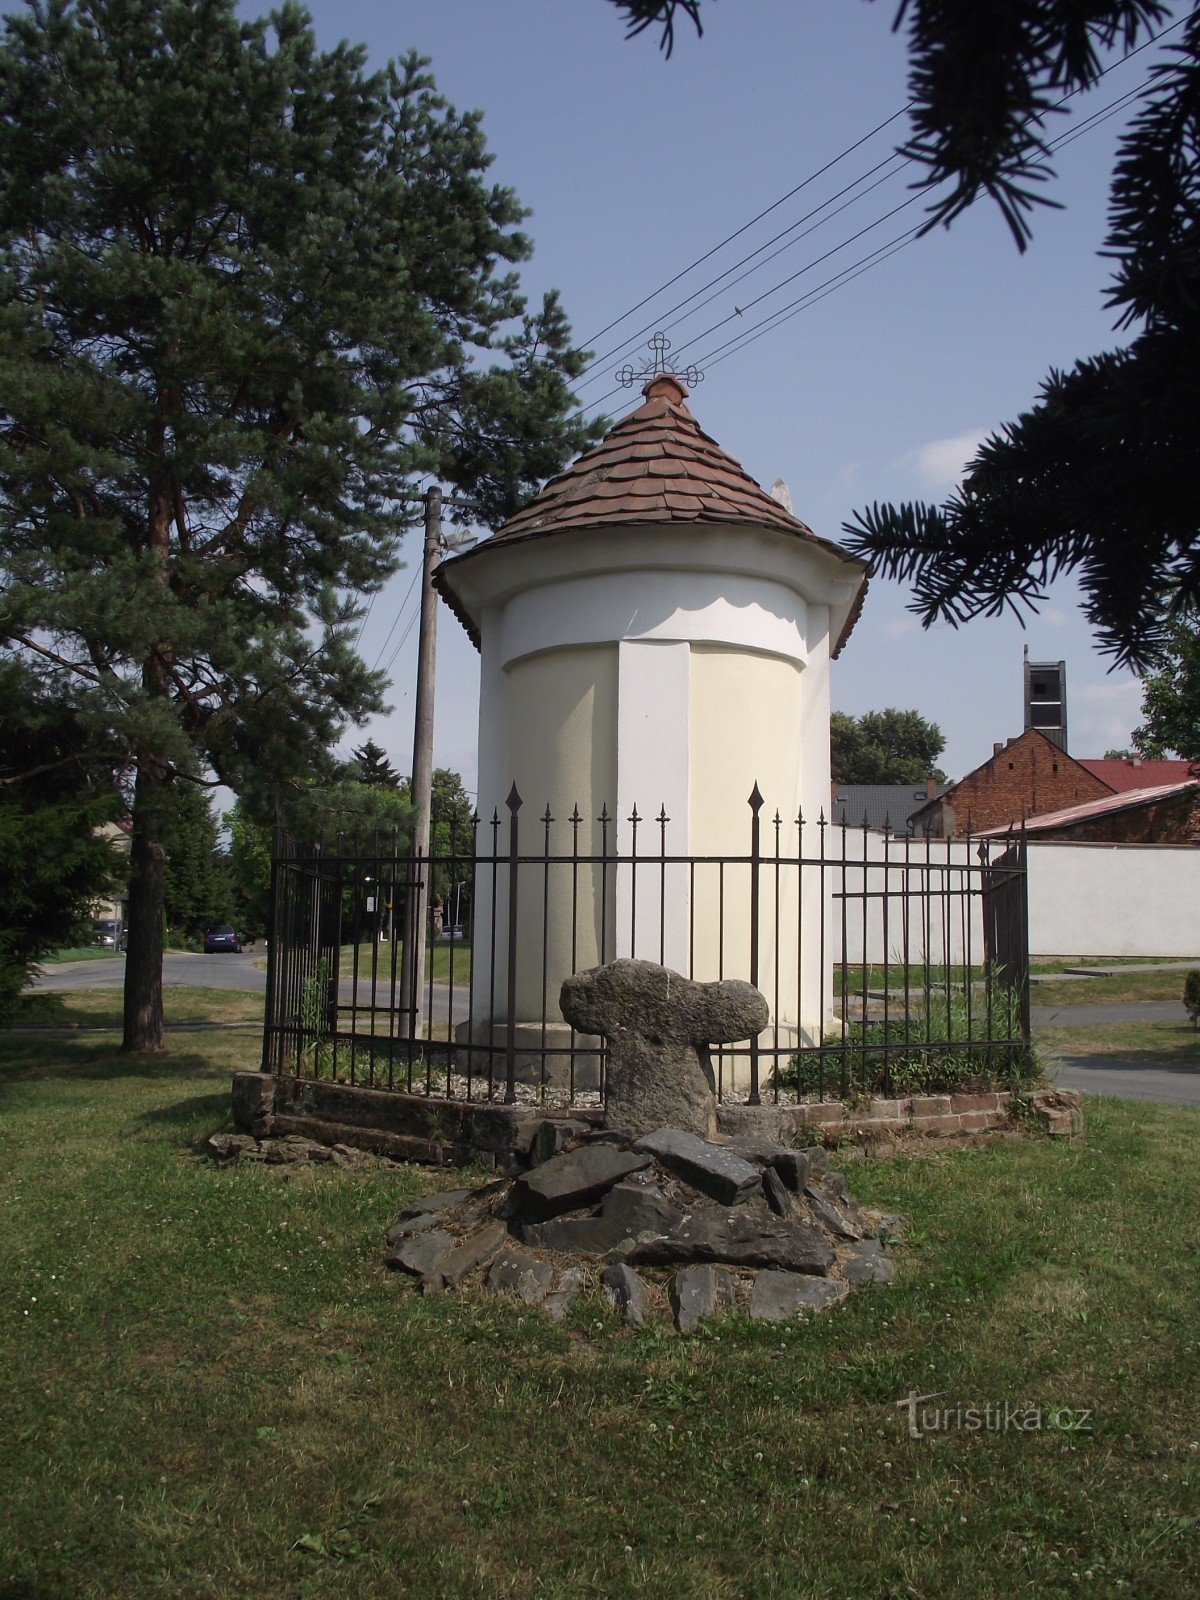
<point x="1131" y="1080"/>
<point x="1099" y="1013"/>
<point x="246" y="972"/>
<point x="225" y="971"/>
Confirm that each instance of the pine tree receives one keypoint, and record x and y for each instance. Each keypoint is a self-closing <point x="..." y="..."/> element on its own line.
<point x="243" y="285"/>
<point x="374" y="768"/>
<point x="197" y="891"/>
<point x="56" y="859"/>
<point x="1101" y="475"/>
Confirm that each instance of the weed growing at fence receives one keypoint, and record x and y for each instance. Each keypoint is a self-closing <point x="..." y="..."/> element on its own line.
<point x="314" y="1016"/>
<point x="942" y="1044"/>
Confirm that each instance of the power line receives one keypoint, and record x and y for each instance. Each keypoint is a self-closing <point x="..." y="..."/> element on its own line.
<point x="366" y="617"/>
<point x="1086" y="126"/>
<point x="876" y="258"/>
<point x="402" y="641"/>
<point x="396" y="619"/>
<point x="658" y="322"/>
<point x="774" y="206"/>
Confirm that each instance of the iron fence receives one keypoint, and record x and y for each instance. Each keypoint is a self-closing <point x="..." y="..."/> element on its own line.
<point x="892" y="964"/>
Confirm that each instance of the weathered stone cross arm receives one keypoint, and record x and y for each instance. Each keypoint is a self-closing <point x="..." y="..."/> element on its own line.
<point x="659" y="1026"/>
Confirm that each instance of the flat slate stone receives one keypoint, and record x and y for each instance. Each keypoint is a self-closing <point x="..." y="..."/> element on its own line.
<point x="777" y="1296"/>
<point x="739" y="1239"/>
<point x="630" y="1212"/>
<point x="867" y="1264"/>
<point x="779" y="1196"/>
<point x="641" y="1207"/>
<point x="516" y="1273"/>
<point x="472" y="1252"/>
<point x="429" y="1204"/>
<point x="760" y="1152"/>
<point x="834" y="1218"/>
<point x="698" y="1293"/>
<point x="714" y="1169"/>
<point x="891" y="1225"/>
<point x="557" y="1305"/>
<point x="571" y="1180"/>
<point x="584" y="1236"/>
<point x="622" y="1287"/>
<point x="228" y="1146"/>
<point x="409" y="1226"/>
<point x="794" y="1168"/>
<point x="834" y="1185"/>
<point x="550" y="1136"/>
<point x="423" y="1253"/>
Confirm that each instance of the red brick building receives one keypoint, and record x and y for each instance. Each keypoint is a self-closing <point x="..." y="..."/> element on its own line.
<point x="1024" y="778"/>
<point x="1166" y="814"/>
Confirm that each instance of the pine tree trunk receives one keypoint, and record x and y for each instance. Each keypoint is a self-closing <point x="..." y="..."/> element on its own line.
<point x="143" y="961"/>
<point x="147" y="856"/>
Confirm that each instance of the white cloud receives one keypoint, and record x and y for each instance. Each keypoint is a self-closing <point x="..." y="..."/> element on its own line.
<point x="897" y="627"/>
<point x="1105" y="715"/>
<point x="940" y="463"/>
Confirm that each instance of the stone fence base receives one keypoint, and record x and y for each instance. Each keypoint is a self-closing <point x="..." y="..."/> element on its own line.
<point x="441" y="1132"/>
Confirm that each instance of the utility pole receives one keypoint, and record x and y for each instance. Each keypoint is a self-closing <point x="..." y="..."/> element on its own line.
<point x="413" y="973"/>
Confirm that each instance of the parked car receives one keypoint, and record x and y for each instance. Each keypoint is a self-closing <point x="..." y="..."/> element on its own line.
<point x="221" y="937"/>
<point x="453" y="933"/>
<point x="108" y="933"/>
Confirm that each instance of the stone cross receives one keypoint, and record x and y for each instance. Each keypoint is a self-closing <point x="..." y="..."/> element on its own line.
<point x="659" y="1026"/>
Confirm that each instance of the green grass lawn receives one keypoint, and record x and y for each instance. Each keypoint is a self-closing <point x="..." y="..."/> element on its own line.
<point x="80" y="952"/>
<point x="1071" y="991"/>
<point x="102" y="1008"/>
<point x="213" y="1388"/>
<point x="1130" y="987"/>
<point x="1170" y="1044"/>
<point x="439" y="953"/>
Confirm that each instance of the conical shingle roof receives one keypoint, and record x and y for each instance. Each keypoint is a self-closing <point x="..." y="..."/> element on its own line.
<point x="655" y="465"/>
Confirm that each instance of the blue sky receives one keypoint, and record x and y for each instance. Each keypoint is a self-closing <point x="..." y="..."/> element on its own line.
<point x="633" y="166"/>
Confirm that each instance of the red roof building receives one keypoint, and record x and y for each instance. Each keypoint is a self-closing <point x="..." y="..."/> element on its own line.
<point x="1024" y="778"/>
<point x="1136" y="772"/>
<point x="1163" y="814"/>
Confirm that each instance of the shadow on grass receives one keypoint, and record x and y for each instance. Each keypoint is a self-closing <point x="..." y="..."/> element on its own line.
<point x="196" y="1105"/>
<point x="24" y="1060"/>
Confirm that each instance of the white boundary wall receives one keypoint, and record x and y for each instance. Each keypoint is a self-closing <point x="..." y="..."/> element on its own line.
<point x="942" y="925"/>
<point x="1114" y="900"/>
<point x="1128" y="900"/>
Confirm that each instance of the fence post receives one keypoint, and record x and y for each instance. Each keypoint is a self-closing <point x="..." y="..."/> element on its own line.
<point x="1023" y="932"/>
<point x="510" y="1091"/>
<point x="271" y="1011"/>
<point x="756" y="805"/>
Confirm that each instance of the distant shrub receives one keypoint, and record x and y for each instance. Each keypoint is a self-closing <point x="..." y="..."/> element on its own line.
<point x="1191" y="996"/>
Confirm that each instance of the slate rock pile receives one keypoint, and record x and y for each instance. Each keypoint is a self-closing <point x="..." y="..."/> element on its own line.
<point x="669" y="1225"/>
<point x="226" y="1147"/>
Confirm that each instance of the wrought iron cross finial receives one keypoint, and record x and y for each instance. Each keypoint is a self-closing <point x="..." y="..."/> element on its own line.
<point x="658" y="344"/>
